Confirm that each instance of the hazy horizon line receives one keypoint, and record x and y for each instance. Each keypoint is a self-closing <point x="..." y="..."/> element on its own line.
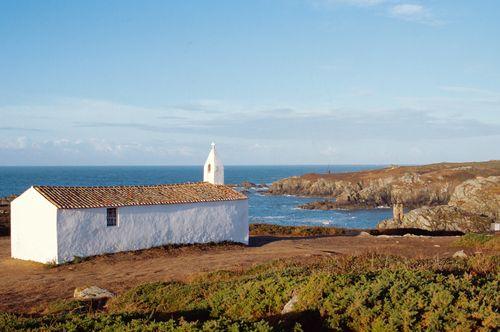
<point x="252" y="165"/>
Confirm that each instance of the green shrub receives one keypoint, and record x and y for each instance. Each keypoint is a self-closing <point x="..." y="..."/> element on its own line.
<point x="123" y="322"/>
<point x="371" y="292"/>
<point x="276" y="230"/>
<point x="474" y="240"/>
<point x="403" y="300"/>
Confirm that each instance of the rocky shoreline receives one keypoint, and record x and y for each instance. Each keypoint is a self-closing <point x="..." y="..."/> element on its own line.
<point x="473" y="207"/>
<point x="333" y="205"/>
<point x="445" y="196"/>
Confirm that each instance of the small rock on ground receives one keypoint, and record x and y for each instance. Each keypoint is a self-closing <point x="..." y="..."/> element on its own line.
<point x="92" y="293"/>
<point x="290" y="306"/>
<point x="460" y="254"/>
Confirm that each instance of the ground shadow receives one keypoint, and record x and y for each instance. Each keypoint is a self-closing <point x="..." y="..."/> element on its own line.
<point x="413" y="231"/>
<point x="261" y="240"/>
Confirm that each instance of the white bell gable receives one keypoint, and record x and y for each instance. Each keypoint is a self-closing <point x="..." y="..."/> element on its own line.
<point x="213" y="171"/>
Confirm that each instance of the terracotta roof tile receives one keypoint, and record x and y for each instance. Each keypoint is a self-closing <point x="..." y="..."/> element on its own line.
<point x="115" y="196"/>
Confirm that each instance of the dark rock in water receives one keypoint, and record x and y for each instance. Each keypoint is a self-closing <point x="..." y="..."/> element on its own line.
<point x="334" y="205"/>
<point x="247" y="184"/>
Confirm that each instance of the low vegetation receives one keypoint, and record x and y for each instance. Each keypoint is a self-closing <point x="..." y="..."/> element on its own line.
<point x="481" y="241"/>
<point x="276" y="230"/>
<point x="371" y="292"/>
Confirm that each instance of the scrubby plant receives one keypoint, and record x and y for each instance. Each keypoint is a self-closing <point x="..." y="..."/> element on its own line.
<point x="474" y="240"/>
<point x="370" y="292"/>
<point x="276" y="230"/>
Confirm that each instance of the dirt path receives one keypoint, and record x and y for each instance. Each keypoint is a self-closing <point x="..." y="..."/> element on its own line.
<point x="28" y="287"/>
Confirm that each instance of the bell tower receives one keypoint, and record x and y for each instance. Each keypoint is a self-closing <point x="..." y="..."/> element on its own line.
<point x="213" y="171"/>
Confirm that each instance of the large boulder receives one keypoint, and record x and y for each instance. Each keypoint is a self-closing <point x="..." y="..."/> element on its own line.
<point x="473" y="206"/>
<point x="441" y="218"/>
<point x="480" y="196"/>
<point x="92" y="293"/>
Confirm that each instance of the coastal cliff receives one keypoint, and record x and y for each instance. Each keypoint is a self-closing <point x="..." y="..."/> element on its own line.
<point x="414" y="186"/>
<point x="473" y="206"/>
<point x="461" y="197"/>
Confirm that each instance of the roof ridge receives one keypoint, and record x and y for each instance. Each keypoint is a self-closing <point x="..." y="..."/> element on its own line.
<point x="132" y="185"/>
<point x="70" y="197"/>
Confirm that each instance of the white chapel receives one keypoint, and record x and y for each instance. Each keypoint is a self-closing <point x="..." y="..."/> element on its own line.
<point x="58" y="223"/>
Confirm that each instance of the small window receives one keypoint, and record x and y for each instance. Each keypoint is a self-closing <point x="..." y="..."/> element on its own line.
<point x="209" y="168"/>
<point x="111" y="217"/>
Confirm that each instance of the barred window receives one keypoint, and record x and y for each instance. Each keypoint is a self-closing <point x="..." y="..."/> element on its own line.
<point x="111" y="217"/>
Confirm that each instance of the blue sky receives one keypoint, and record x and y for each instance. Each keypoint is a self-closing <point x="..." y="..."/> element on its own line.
<point x="271" y="81"/>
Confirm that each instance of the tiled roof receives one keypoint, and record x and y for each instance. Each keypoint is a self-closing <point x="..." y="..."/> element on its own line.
<point x="115" y="196"/>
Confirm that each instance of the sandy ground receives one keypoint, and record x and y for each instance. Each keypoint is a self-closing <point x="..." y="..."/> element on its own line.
<point x="28" y="287"/>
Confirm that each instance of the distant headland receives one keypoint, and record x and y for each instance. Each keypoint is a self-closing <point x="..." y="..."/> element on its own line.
<point x="446" y="196"/>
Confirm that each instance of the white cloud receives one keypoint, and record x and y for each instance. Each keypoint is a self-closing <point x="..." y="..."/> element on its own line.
<point x="360" y="3"/>
<point x="329" y="151"/>
<point x="407" y="10"/>
<point x="468" y="90"/>
<point x="99" y="132"/>
<point x="18" y="143"/>
<point x="413" y="12"/>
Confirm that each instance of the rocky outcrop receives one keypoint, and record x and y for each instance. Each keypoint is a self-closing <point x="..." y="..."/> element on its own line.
<point x="440" y="218"/>
<point x="413" y="186"/>
<point x="480" y="196"/>
<point x="336" y="205"/>
<point x="473" y="206"/>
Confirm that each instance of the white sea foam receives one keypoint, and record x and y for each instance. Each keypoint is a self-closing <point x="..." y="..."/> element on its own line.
<point x="317" y="221"/>
<point x="271" y="217"/>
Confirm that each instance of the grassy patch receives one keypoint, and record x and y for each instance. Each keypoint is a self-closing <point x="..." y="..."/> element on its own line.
<point x="275" y="230"/>
<point x="371" y="292"/>
<point x="474" y="240"/>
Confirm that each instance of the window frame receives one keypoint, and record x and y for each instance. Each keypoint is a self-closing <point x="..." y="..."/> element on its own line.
<point x="110" y="217"/>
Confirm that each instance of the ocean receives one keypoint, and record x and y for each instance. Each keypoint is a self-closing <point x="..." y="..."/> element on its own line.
<point x="280" y="210"/>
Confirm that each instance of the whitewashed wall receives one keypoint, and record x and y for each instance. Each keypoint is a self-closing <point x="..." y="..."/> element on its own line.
<point x="83" y="232"/>
<point x="33" y="228"/>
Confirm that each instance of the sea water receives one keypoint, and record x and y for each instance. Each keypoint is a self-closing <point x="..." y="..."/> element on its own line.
<point x="281" y="210"/>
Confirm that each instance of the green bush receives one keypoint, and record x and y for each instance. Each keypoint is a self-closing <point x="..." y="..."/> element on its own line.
<point x="403" y="300"/>
<point x="276" y="230"/>
<point x="371" y="292"/>
<point x="474" y="240"/>
<point x="123" y="322"/>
